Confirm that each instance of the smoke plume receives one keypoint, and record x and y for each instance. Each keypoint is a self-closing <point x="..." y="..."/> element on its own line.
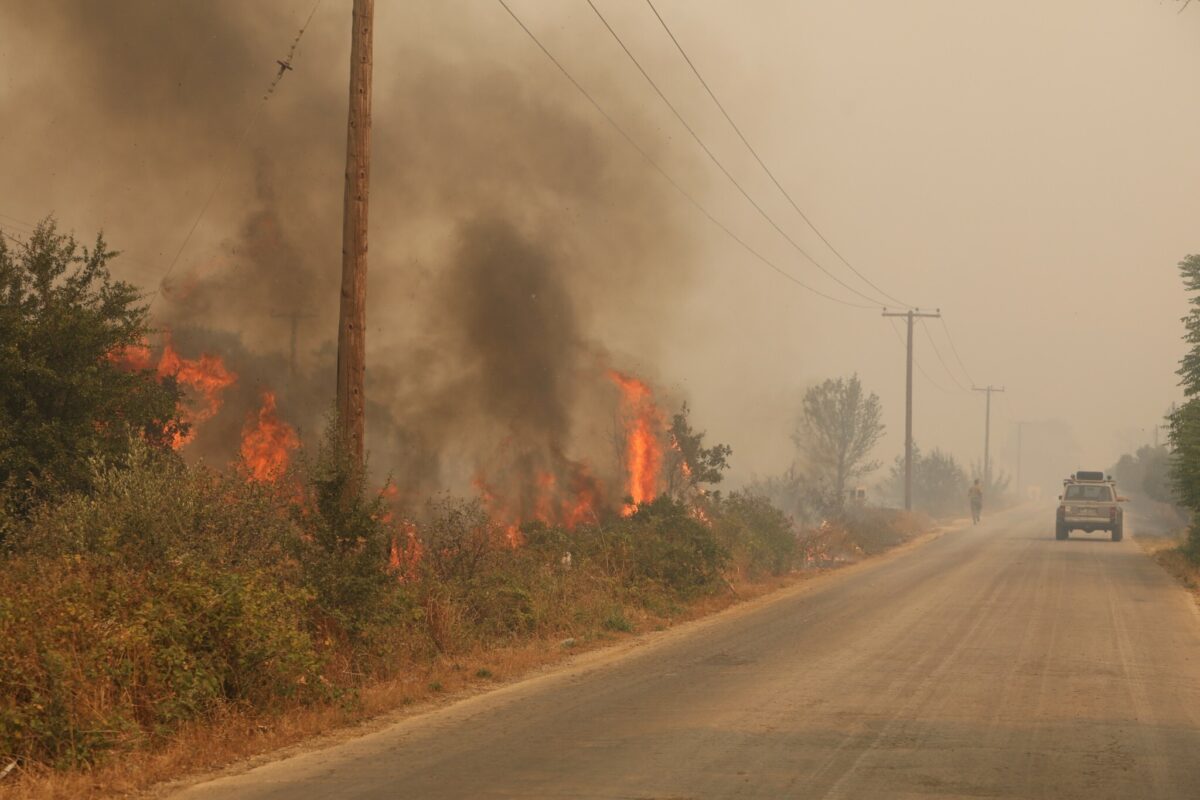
<point x="515" y="240"/>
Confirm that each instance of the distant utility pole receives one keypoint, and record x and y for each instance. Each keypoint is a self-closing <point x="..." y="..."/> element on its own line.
<point x="911" y="315"/>
<point x="1020" y="487"/>
<point x="987" y="432"/>
<point x="352" y="320"/>
<point x="294" y="317"/>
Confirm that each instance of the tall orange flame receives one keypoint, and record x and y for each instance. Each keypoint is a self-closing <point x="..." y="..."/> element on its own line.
<point x="206" y="376"/>
<point x="267" y="442"/>
<point x="643" y="445"/>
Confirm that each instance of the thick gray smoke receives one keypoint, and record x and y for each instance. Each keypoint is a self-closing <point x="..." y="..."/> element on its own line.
<point x="515" y="239"/>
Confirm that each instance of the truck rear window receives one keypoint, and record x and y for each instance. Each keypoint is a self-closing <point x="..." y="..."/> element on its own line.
<point x="1085" y="492"/>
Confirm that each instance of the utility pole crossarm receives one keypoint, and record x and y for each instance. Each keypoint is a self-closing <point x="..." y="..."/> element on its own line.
<point x="911" y="315"/>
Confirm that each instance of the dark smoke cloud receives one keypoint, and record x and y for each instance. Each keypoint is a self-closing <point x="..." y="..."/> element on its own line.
<point x="518" y="331"/>
<point x="515" y="240"/>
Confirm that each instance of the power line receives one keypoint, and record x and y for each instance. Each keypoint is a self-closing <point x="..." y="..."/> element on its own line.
<point x="761" y="163"/>
<point x="284" y="66"/>
<point x="14" y="239"/>
<point x="938" y="353"/>
<point x="761" y="211"/>
<point x="954" y="350"/>
<point x="21" y="222"/>
<point x="674" y="184"/>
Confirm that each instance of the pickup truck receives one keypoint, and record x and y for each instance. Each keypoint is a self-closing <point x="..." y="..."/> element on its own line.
<point x="1089" y="502"/>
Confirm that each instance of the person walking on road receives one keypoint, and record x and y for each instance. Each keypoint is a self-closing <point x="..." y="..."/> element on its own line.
<point x="975" y="495"/>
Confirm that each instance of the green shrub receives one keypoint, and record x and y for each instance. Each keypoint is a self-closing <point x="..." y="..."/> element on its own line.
<point x="759" y="536"/>
<point x="344" y="548"/>
<point x="663" y="543"/>
<point x="63" y="398"/>
<point x="165" y="594"/>
<point x="617" y="621"/>
<point x="875" y="530"/>
<point x="96" y="654"/>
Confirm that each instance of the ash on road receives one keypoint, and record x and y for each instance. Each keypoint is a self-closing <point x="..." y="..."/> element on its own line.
<point x="992" y="662"/>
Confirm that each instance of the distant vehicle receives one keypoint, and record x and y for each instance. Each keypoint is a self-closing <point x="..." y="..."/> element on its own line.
<point x="1090" y="502"/>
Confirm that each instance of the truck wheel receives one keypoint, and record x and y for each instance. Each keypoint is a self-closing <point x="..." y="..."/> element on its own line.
<point x="1060" y="532"/>
<point x="1118" y="533"/>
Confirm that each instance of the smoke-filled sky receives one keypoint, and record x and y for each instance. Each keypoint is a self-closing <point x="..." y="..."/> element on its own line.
<point x="1029" y="168"/>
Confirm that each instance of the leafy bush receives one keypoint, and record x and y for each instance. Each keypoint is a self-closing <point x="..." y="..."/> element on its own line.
<point x="63" y="399"/>
<point x="344" y="549"/>
<point x="761" y="539"/>
<point x="664" y="544"/>
<point x="166" y="594"/>
<point x="875" y="530"/>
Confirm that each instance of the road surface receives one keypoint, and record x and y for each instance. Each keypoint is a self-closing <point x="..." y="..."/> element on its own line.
<point x="991" y="662"/>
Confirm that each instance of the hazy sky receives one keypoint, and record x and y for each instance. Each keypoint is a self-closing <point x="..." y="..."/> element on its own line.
<point x="1030" y="168"/>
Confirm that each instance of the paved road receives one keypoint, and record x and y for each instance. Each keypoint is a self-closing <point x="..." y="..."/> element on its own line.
<point x="992" y="662"/>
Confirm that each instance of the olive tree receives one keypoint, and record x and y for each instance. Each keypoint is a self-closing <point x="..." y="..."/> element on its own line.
<point x="838" y="428"/>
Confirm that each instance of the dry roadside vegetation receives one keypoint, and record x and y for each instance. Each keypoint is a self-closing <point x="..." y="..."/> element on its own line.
<point x="175" y="618"/>
<point x="159" y="616"/>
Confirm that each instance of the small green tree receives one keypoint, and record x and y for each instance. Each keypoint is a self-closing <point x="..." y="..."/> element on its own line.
<point x="1183" y="424"/>
<point x="839" y="427"/>
<point x="344" y="550"/>
<point x="64" y="400"/>
<point x="689" y="462"/>
<point x="939" y="483"/>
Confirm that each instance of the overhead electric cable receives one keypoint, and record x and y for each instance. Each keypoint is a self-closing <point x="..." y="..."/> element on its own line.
<point x="954" y="350"/>
<point x="13" y="239"/>
<point x="712" y="156"/>
<point x="284" y="66"/>
<point x="15" y="221"/>
<point x="761" y="163"/>
<point x="674" y="184"/>
<point x="938" y="353"/>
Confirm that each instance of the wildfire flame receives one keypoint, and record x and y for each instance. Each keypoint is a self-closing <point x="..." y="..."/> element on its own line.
<point x="504" y="517"/>
<point x="207" y="377"/>
<point x="643" y="446"/>
<point x="132" y="357"/>
<point x="267" y="442"/>
<point x="405" y="552"/>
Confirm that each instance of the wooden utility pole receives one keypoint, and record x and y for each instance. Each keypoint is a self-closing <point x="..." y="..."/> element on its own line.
<point x="987" y="433"/>
<point x="1020" y="488"/>
<point x="911" y="315"/>
<point x="351" y="360"/>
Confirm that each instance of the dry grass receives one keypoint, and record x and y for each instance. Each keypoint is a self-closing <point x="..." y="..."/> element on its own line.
<point x="240" y="736"/>
<point x="245" y="739"/>
<point x="1166" y="551"/>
